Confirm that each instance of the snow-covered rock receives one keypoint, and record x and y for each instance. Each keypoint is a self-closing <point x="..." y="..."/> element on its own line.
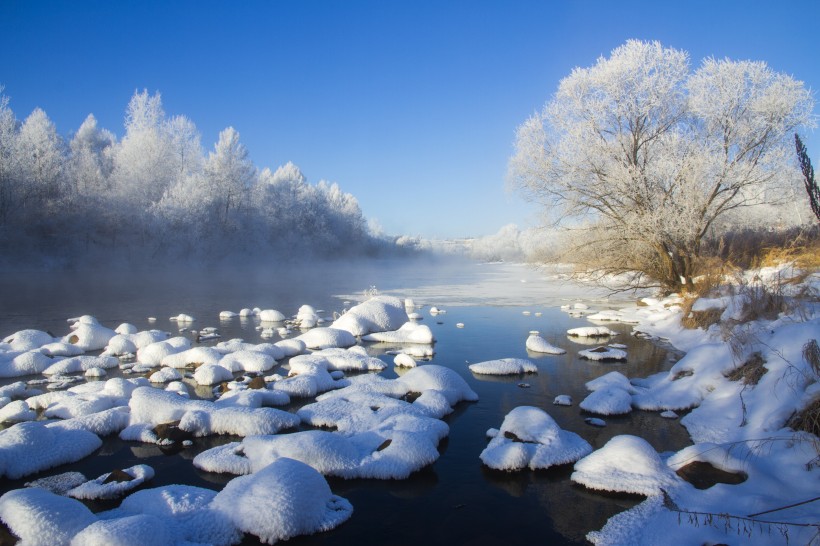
<point x="530" y="438"/>
<point x="98" y="489"/>
<point x="626" y="464"/>
<point x="42" y="518"/>
<point x="504" y="366"/>
<point x="285" y="499"/>
<point x="410" y="332"/>
<point x="538" y="344"/>
<point x="378" y="314"/>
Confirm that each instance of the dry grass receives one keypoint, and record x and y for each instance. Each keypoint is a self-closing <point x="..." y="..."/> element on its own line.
<point x="807" y="420"/>
<point x="750" y="371"/>
<point x="811" y="352"/>
<point x="804" y="254"/>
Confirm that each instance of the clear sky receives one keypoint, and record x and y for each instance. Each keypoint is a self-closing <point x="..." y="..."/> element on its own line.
<point x="409" y="105"/>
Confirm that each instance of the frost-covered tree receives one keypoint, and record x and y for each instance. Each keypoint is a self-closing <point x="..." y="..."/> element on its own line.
<point x="40" y="156"/>
<point x="8" y="136"/>
<point x="90" y="161"/>
<point x="229" y="174"/>
<point x="650" y="154"/>
<point x="185" y="145"/>
<point x="144" y="160"/>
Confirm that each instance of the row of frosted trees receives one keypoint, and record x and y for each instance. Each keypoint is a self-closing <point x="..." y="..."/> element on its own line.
<point x="155" y="194"/>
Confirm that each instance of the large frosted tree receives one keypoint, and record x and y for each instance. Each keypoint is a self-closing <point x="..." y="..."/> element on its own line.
<point x="645" y="156"/>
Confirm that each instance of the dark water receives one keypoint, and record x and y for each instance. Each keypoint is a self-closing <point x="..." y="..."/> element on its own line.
<point x="454" y="501"/>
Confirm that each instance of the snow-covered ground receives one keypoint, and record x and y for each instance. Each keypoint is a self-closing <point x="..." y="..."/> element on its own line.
<point x="738" y="423"/>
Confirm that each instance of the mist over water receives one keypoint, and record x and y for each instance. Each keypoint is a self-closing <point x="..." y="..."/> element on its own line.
<point x="456" y="500"/>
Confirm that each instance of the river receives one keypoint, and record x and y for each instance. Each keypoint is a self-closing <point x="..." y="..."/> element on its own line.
<point x="490" y="308"/>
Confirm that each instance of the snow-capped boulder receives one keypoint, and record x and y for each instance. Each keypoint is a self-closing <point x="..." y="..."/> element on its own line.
<point x="530" y="438"/>
<point x="504" y="366"/>
<point x="378" y="314"/>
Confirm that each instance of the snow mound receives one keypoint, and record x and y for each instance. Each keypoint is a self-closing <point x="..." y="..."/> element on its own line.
<point x="285" y="499"/>
<point x="186" y="508"/>
<point x="403" y="360"/>
<point x="626" y="464"/>
<point x="98" y="489"/>
<point x="17" y="412"/>
<point x="504" y="366"/>
<point x="195" y="356"/>
<point x="165" y="375"/>
<point x="378" y="314"/>
<point x="326" y="338"/>
<point x="611" y="400"/>
<point x="42" y="518"/>
<point x="30" y="447"/>
<point x="151" y="406"/>
<point x="602" y="354"/>
<point x="152" y="355"/>
<point x="410" y="332"/>
<point x="90" y="337"/>
<point x="353" y="359"/>
<point x="28" y="340"/>
<point x="538" y="344"/>
<point x="15" y="364"/>
<point x="271" y="315"/>
<point x="530" y="438"/>
<point x="591" y="331"/>
<point x="247" y="361"/>
<point x="212" y="374"/>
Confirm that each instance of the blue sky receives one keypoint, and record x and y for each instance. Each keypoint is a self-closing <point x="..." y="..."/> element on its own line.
<point x="411" y="106"/>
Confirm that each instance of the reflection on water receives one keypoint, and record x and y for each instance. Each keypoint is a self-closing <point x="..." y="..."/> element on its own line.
<point x="454" y="501"/>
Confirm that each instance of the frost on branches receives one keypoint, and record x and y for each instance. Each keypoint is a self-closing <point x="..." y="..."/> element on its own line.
<point x="651" y="157"/>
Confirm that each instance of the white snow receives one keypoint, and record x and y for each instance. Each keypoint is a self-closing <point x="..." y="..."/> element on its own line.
<point x="530" y="438"/>
<point x="326" y="338"/>
<point x="15" y="364"/>
<point x="378" y="314"/>
<point x="609" y="400"/>
<point x="591" y="331"/>
<point x="271" y="315"/>
<point x="27" y="340"/>
<point x="403" y="360"/>
<point x="76" y="364"/>
<point x="410" y="332"/>
<point x="285" y="499"/>
<point x="603" y="354"/>
<point x="504" y="366"/>
<point x="90" y="336"/>
<point x="538" y="344"/>
<point x="626" y="464"/>
<point x="191" y="357"/>
<point x="16" y="412"/>
<point x="96" y="489"/>
<point x="42" y="518"/>
<point x="151" y="407"/>
<point x="30" y="447"/>
<point x="165" y="375"/>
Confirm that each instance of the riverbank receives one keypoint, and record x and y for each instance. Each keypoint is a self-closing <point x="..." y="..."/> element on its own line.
<point x="750" y="379"/>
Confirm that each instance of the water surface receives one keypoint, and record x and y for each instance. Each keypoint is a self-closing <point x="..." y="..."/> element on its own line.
<point x="454" y="501"/>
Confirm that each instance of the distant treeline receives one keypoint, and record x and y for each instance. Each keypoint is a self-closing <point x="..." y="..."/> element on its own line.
<point x="155" y="195"/>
